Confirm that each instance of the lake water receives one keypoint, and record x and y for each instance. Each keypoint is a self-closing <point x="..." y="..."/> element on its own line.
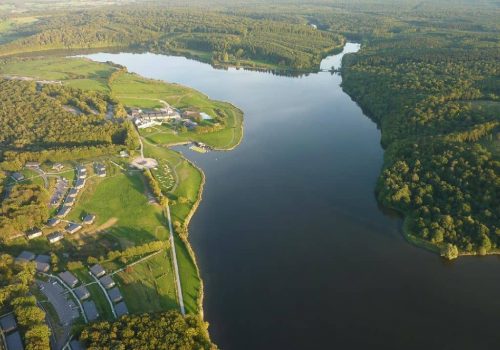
<point x="294" y="251"/>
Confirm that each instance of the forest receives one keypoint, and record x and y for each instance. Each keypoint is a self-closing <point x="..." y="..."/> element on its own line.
<point x="165" y="330"/>
<point x="52" y="122"/>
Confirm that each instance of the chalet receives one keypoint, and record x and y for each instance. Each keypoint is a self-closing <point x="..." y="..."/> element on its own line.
<point x="107" y="282"/>
<point x="72" y="193"/>
<point x="42" y="267"/>
<point x="88" y="219"/>
<point x="121" y="309"/>
<point x="8" y="323"/>
<point x="57" y="167"/>
<point x="100" y="170"/>
<point x="33" y="233"/>
<point x="17" y="176"/>
<point x="53" y="222"/>
<point x="115" y="295"/>
<point x="25" y="256"/>
<point x="55" y="237"/>
<point x="32" y="165"/>
<point x="63" y="211"/>
<point x="69" y="201"/>
<point x="82" y="292"/>
<point x="79" y="184"/>
<point x="42" y="263"/>
<point x="14" y="342"/>
<point x="90" y="310"/>
<point x="97" y="270"/>
<point x="68" y="278"/>
<point x="73" y="228"/>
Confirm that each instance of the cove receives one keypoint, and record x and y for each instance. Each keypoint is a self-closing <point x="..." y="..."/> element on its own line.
<point x="293" y="249"/>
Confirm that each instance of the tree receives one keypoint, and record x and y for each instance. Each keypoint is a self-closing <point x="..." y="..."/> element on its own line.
<point x="449" y="251"/>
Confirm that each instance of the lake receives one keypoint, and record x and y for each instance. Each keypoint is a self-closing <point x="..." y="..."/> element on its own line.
<point x="294" y="251"/>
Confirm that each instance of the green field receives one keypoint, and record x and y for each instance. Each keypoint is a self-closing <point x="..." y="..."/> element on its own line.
<point x="149" y="286"/>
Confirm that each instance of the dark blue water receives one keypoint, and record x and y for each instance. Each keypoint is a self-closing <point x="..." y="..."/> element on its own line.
<point x="293" y="249"/>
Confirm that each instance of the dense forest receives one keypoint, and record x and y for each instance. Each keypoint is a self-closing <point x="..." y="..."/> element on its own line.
<point x="52" y="122"/>
<point x="166" y="330"/>
<point x="214" y="37"/>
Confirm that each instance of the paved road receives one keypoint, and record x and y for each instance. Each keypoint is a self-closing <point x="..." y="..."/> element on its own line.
<point x="176" y="267"/>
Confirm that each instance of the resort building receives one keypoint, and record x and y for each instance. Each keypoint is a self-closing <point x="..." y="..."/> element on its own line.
<point x="68" y="278"/>
<point x="63" y="211"/>
<point x="100" y="170"/>
<point x="79" y="184"/>
<point x="25" y="256"/>
<point x="73" y="228"/>
<point x="97" y="270"/>
<point x="72" y="193"/>
<point x="55" y="237"/>
<point x="88" y="219"/>
<point x="69" y="201"/>
<point x="115" y="295"/>
<point x="82" y="292"/>
<point x="33" y="233"/>
<point x="53" y="222"/>
<point x="90" y="310"/>
<point x="121" y="309"/>
<point x="107" y="282"/>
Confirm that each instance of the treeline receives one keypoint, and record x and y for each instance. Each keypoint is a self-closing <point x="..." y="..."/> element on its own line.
<point x="436" y="97"/>
<point x="24" y="207"/>
<point x="15" y="280"/>
<point x="164" y="330"/>
<point x="37" y="125"/>
<point x="222" y="37"/>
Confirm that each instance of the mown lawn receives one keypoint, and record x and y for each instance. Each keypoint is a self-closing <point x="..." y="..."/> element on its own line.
<point x="150" y="285"/>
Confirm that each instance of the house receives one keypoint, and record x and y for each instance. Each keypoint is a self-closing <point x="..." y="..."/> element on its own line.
<point x="115" y="295"/>
<point x="79" y="184"/>
<point x="53" y="222"/>
<point x="121" y="309"/>
<point x="73" y="228"/>
<point x="97" y="270"/>
<point x="17" y="176"/>
<point x="14" y="341"/>
<point x="69" y="201"/>
<point x="82" y="292"/>
<point x="107" y="282"/>
<point x="88" y="219"/>
<point x="72" y="193"/>
<point x="43" y="258"/>
<point x="189" y="124"/>
<point x="63" y="211"/>
<point x="8" y="323"/>
<point x="32" y="165"/>
<point x="55" y="237"/>
<point x="90" y="310"/>
<point x="68" y="278"/>
<point x="124" y="154"/>
<point x="57" y="167"/>
<point x="34" y="233"/>
<point x="25" y="256"/>
<point x="42" y="267"/>
<point x="100" y="170"/>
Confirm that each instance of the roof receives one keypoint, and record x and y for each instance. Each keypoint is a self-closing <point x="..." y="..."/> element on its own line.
<point x="17" y="176"/>
<point x="97" y="270"/>
<point x="114" y="294"/>
<point x="42" y="267"/>
<point x="79" y="183"/>
<point x="68" y="278"/>
<point x="32" y="164"/>
<point x="8" y="323"/>
<point x="72" y="227"/>
<point x="107" y="281"/>
<point x="76" y="345"/>
<point x="55" y="236"/>
<point x="26" y="256"/>
<point x="82" y="292"/>
<point x="14" y="341"/>
<point x="121" y="309"/>
<point x="90" y="310"/>
<point x="34" y="232"/>
<point x="69" y="200"/>
<point x="88" y="219"/>
<point x="72" y="192"/>
<point x="43" y="258"/>
<point x="53" y="221"/>
<point x="64" y="211"/>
